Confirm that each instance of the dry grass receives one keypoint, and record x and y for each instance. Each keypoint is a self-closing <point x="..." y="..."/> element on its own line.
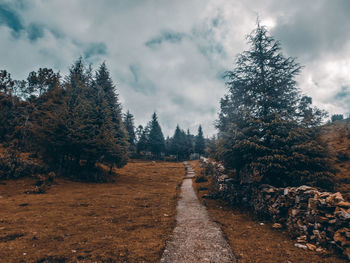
<point x="337" y="137"/>
<point x="125" y="221"/>
<point x="252" y="242"/>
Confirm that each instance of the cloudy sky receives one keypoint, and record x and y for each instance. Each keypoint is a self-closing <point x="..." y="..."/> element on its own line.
<point x="169" y="56"/>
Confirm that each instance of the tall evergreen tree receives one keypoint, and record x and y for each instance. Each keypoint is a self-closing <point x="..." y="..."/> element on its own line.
<point x="76" y="124"/>
<point x="130" y="128"/>
<point x="179" y="144"/>
<point x="143" y="136"/>
<point x="200" y="141"/>
<point x="7" y="103"/>
<point x="156" y="137"/>
<point x="261" y="119"/>
<point x="104" y="80"/>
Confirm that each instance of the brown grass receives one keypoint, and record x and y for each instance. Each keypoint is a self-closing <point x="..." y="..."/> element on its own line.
<point x="252" y="242"/>
<point x="337" y="137"/>
<point x="125" y="221"/>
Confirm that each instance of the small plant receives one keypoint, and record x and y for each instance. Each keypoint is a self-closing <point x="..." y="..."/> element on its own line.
<point x="201" y="179"/>
<point x="44" y="182"/>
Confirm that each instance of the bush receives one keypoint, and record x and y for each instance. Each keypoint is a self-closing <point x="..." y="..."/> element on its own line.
<point x="13" y="167"/>
<point x="44" y="182"/>
<point x="337" y="117"/>
<point x="201" y="178"/>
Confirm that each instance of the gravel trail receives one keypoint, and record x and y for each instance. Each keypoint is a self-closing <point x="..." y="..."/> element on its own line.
<point x="196" y="238"/>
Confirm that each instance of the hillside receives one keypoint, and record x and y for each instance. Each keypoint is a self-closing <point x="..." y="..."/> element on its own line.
<point x="337" y="136"/>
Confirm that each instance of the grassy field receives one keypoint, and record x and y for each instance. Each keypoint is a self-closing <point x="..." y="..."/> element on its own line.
<point x="337" y="137"/>
<point x="125" y="221"/>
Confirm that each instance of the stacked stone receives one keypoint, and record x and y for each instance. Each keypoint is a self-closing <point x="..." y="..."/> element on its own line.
<point x="315" y="219"/>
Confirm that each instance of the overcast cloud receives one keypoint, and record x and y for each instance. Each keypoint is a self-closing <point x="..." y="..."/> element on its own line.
<point x="169" y="56"/>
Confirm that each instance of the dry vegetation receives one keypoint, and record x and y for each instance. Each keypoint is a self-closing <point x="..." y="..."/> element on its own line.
<point x="337" y="137"/>
<point x="128" y="220"/>
<point x="251" y="241"/>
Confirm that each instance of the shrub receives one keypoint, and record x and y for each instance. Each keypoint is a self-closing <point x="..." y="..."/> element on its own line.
<point x="12" y="166"/>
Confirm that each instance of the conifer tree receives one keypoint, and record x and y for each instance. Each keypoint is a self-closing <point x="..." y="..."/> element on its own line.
<point x="264" y="126"/>
<point x="200" y="141"/>
<point x="189" y="144"/>
<point x="104" y="80"/>
<point x="76" y="122"/>
<point x="155" y="138"/>
<point x="179" y="144"/>
<point x="7" y="105"/>
<point x="130" y="128"/>
<point x="143" y="136"/>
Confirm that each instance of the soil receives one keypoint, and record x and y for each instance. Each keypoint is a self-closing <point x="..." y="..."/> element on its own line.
<point x="256" y="241"/>
<point x="128" y="220"/>
<point x="196" y="238"/>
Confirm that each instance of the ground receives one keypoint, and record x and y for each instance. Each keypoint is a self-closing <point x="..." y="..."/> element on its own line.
<point x="252" y="241"/>
<point x="128" y="220"/>
<point x="337" y="137"/>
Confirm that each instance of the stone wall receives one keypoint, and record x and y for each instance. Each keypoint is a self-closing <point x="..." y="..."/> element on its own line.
<point x="315" y="219"/>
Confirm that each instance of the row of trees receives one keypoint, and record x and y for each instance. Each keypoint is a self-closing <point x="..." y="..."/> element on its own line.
<point x="76" y="122"/>
<point x="73" y="123"/>
<point x="150" y="140"/>
<point x="268" y="131"/>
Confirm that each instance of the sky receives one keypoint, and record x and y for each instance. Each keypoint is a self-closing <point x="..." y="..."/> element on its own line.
<point x="170" y="56"/>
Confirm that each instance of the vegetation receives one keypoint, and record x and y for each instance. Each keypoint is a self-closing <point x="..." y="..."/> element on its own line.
<point x="337" y="117"/>
<point x="268" y="131"/>
<point x="72" y="124"/>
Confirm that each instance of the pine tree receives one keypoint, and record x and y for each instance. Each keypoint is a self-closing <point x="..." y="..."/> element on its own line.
<point x="130" y="128"/>
<point x="76" y="124"/>
<point x="264" y="125"/>
<point x="189" y="144"/>
<point x="7" y="105"/>
<point x="156" y="138"/>
<point x="104" y="80"/>
<point x="179" y="145"/>
<point x="200" y="141"/>
<point x="143" y="136"/>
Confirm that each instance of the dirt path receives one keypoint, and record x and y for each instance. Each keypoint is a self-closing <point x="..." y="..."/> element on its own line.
<point x="196" y="238"/>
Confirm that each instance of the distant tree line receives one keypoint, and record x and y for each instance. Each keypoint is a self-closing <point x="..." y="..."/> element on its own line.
<point x="150" y="142"/>
<point x="76" y="123"/>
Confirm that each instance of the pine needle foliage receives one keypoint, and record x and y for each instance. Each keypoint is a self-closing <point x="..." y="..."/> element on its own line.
<point x="267" y="129"/>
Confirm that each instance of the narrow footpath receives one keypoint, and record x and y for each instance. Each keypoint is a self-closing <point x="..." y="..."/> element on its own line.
<point x="196" y="238"/>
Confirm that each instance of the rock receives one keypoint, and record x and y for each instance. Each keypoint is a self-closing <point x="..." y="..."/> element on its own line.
<point x="347" y="253"/>
<point x="302" y="239"/>
<point x="295" y="212"/>
<point x="344" y="204"/>
<point x="334" y="199"/>
<point x="343" y="214"/>
<point x="341" y="238"/>
<point x="311" y="246"/>
<point x="320" y="250"/>
<point x="277" y="225"/>
<point x="300" y="246"/>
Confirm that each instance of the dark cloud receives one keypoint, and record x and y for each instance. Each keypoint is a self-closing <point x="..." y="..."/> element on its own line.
<point x="35" y="31"/>
<point x="10" y="18"/>
<point x="95" y="49"/>
<point x="165" y="36"/>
